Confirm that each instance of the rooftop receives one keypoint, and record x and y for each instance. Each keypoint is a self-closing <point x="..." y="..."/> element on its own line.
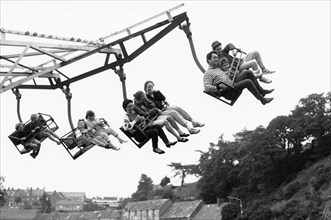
<point x="146" y="205"/>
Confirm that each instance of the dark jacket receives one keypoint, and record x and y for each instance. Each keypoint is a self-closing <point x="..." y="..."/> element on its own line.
<point x="158" y="98"/>
<point x="146" y="108"/>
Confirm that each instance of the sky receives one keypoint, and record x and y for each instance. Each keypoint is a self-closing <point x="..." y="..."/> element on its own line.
<point x="293" y="38"/>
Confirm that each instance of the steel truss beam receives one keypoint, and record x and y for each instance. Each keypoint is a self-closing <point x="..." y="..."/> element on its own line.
<point x="122" y="57"/>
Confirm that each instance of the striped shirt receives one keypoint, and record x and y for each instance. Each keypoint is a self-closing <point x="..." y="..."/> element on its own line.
<point x="214" y="77"/>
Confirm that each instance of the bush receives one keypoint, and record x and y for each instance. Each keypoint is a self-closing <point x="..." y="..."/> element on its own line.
<point x="292" y="188"/>
<point x="230" y="211"/>
<point x="322" y="176"/>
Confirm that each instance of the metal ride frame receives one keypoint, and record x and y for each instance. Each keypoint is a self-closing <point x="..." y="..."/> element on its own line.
<point x="16" y="78"/>
<point x="15" y="75"/>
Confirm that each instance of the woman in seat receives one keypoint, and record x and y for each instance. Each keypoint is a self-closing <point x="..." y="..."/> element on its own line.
<point x="151" y="131"/>
<point x="97" y="128"/>
<point x="146" y="107"/>
<point x="85" y="137"/>
<point x="160" y="102"/>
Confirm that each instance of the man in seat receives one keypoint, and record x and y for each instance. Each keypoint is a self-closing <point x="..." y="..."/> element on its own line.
<point x="217" y="81"/>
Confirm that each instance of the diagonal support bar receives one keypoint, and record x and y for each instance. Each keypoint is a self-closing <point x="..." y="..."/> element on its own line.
<point x="14" y="66"/>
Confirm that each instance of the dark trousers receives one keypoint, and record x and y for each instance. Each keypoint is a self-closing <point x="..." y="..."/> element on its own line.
<point x="246" y="79"/>
<point x="153" y="132"/>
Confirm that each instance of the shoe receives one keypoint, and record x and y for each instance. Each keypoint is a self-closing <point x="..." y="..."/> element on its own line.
<point x="122" y="141"/>
<point x="33" y="155"/>
<point x="182" y="140"/>
<point x="58" y="142"/>
<point x="266" y="71"/>
<point x="266" y="100"/>
<point x="184" y="135"/>
<point x="197" y="124"/>
<point x="265" y="91"/>
<point x="193" y="130"/>
<point x="111" y="146"/>
<point x="257" y="73"/>
<point x="265" y="80"/>
<point x="169" y="144"/>
<point x="115" y="148"/>
<point x="158" y="151"/>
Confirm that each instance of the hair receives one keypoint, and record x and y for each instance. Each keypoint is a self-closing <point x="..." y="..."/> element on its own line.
<point x="33" y="116"/>
<point x="125" y="103"/>
<point x="208" y="57"/>
<point x="146" y="83"/>
<point x="89" y="113"/>
<point x="85" y="125"/>
<point x="223" y="60"/>
<point x="17" y="125"/>
<point x="138" y="95"/>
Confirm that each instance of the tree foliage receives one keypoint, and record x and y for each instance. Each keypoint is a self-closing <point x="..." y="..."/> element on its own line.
<point x="45" y="204"/>
<point x="18" y="199"/>
<point x="165" y="181"/>
<point x="259" y="161"/>
<point x="3" y="192"/>
<point x="184" y="170"/>
<point x="145" y="186"/>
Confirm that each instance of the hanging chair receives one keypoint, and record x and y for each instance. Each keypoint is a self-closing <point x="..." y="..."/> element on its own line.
<point x="140" y="128"/>
<point x="46" y="120"/>
<point x="73" y="146"/>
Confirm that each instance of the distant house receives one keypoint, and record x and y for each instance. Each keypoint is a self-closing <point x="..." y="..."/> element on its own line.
<point x="69" y="205"/>
<point x="146" y="210"/>
<point x="210" y="212"/>
<point x="110" y="202"/>
<point x="182" y="210"/>
<point x="77" y="196"/>
<point x="29" y="196"/>
<point x="54" y="197"/>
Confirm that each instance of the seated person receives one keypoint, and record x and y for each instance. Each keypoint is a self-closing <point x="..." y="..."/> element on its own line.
<point x="84" y="136"/>
<point x="29" y="143"/>
<point x="97" y="127"/>
<point x="174" y="114"/>
<point x="145" y="107"/>
<point x="160" y="102"/>
<point x="214" y="78"/>
<point x="152" y="131"/>
<point x="251" y="60"/>
<point x="37" y="124"/>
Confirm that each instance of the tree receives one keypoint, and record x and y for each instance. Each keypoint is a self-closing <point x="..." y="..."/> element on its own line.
<point x="145" y="186"/>
<point x="3" y="192"/>
<point x="165" y="181"/>
<point x="18" y="199"/>
<point x="183" y="170"/>
<point x="45" y="204"/>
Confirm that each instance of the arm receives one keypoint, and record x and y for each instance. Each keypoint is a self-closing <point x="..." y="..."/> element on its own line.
<point x="128" y="125"/>
<point x="228" y="47"/>
<point x="208" y="83"/>
<point x="140" y="111"/>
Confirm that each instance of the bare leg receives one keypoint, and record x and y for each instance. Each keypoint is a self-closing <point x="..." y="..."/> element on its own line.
<point x="255" y="55"/>
<point x="181" y="111"/>
<point x="51" y="137"/>
<point x="115" y="134"/>
<point x="52" y="133"/>
<point x="178" y="118"/>
<point x="162" y="121"/>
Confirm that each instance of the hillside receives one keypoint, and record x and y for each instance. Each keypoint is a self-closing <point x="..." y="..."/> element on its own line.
<point x="308" y="194"/>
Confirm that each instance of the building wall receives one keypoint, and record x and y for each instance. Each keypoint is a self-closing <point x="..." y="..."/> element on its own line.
<point x="69" y="207"/>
